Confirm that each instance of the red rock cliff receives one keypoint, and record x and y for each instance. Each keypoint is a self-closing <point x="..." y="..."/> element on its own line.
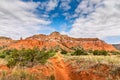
<point x="63" y="41"/>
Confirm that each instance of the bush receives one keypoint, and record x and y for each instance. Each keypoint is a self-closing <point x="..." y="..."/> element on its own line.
<point x="95" y="52"/>
<point x="115" y="53"/>
<point x="29" y="57"/>
<point x="63" y="51"/>
<point x="4" y="53"/>
<point x="100" y="52"/>
<point x="90" y="51"/>
<point x="103" y="52"/>
<point x="79" y="52"/>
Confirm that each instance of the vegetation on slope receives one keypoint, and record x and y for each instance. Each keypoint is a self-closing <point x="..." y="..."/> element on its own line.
<point x="84" y="59"/>
<point x="26" y="57"/>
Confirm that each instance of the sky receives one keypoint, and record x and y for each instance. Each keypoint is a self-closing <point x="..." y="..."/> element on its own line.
<point x="76" y="18"/>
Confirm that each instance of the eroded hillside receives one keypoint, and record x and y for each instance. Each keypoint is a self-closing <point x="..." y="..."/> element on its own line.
<point x="57" y="40"/>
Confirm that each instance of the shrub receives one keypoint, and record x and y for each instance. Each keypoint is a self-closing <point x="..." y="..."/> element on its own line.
<point x="100" y="52"/>
<point x="103" y="52"/>
<point x="63" y="51"/>
<point x="29" y="57"/>
<point x="95" y="52"/>
<point x="52" y="77"/>
<point x="90" y="51"/>
<point x="79" y="52"/>
<point x="115" y="53"/>
<point x="2" y="55"/>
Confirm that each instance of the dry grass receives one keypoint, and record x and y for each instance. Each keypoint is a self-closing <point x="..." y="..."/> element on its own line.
<point x="22" y="74"/>
<point x="114" y="60"/>
<point x="3" y="62"/>
<point x="108" y="66"/>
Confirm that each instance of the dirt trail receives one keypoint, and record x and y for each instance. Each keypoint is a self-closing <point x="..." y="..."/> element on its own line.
<point x="60" y="70"/>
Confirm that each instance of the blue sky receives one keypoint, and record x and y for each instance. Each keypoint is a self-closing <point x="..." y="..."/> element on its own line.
<point x="76" y="18"/>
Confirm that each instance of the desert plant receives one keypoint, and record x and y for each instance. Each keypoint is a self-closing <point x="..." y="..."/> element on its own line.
<point x="115" y="53"/>
<point x="26" y="57"/>
<point x="95" y="52"/>
<point x="63" y="51"/>
<point x="52" y="77"/>
<point x="103" y="52"/>
<point x="79" y="52"/>
<point x="100" y="52"/>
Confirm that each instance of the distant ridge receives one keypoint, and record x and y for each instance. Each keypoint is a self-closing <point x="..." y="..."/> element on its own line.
<point x="2" y="37"/>
<point x="55" y="39"/>
<point x="117" y="46"/>
<point x="4" y="41"/>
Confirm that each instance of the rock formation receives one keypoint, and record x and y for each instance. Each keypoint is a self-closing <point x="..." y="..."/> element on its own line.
<point x="4" y="41"/>
<point x="56" y="39"/>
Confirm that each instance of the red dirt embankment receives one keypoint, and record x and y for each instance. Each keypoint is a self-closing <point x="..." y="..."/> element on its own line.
<point x="61" y="72"/>
<point x="64" y="71"/>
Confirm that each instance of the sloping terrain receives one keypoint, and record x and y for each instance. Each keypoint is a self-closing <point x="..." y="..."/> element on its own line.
<point x="5" y="41"/>
<point x="61" y="71"/>
<point x="117" y="46"/>
<point x="73" y="68"/>
<point x="56" y="40"/>
<point x="76" y="68"/>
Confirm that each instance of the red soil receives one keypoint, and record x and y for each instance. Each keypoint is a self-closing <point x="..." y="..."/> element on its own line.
<point x="61" y="72"/>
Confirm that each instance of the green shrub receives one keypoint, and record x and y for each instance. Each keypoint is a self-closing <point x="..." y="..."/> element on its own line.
<point x="52" y="77"/>
<point x="90" y="51"/>
<point x="26" y="57"/>
<point x="5" y="53"/>
<point x="63" y="51"/>
<point x="79" y="52"/>
<point x="100" y="52"/>
<point x="115" y="53"/>
<point x="103" y="52"/>
<point x="95" y="52"/>
<point x="2" y="55"/>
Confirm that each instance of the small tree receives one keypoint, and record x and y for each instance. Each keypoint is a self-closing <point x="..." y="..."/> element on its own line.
<point x="95" y="52"/>
<point x="103" y="52"/>
<point x="26" y="57"/>
<point x="80" y="52"/>
<point x="100" y="52"/>
<point x="63" y="51"/>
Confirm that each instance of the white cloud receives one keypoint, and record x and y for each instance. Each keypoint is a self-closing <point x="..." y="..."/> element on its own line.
<point x="17" y="19"/>
<point x="49" y="5"/>
<point x="104" y="22"/>
<point x="65" y="5"/>
<point x="87" y="6"/>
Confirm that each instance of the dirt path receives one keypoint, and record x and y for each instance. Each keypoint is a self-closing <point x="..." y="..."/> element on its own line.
<point x="60" y="69"/>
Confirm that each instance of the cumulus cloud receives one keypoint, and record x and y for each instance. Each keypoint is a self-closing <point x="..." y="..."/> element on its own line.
<point x="65" y="5"/>
<point x="87" y="7"/>
<point x="103" y="22"/>
<point x="49" y="5"/>
<point x="17" y="18"/>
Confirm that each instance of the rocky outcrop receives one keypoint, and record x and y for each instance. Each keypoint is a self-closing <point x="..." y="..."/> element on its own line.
<point x="4" y="41"/>
<point x="55" y="39"/>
